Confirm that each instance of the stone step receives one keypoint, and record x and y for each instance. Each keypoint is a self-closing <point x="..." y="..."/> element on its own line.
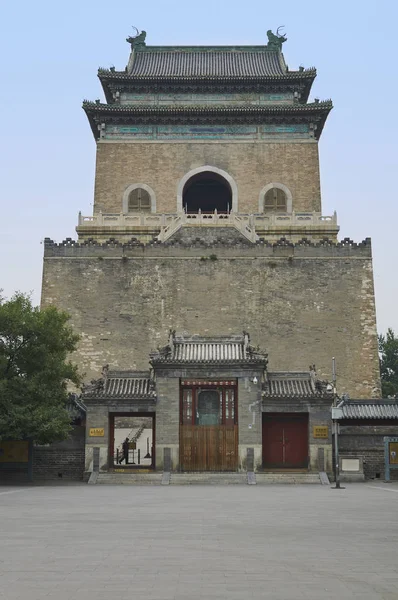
<point x="205" y="478"/>
<point x="292" y="478"/>
<point x="129" y="479"/>
<point x="208" y="479"/>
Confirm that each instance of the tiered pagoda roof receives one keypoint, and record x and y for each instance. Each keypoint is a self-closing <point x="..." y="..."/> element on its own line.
<point x="206" y="69"/>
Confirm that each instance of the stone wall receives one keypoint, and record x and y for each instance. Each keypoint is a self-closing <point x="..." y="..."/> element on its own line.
<point x="63" y="460"/>
<point x="251" y="165"/>
<point x="367" y="442"/>
<point x="303" y="304"/>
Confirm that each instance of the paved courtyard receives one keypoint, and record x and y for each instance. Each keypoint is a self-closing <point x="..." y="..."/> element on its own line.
<point x="235" y="542"/>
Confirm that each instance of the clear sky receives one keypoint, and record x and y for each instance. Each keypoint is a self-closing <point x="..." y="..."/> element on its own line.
<point x="50" y="54"/>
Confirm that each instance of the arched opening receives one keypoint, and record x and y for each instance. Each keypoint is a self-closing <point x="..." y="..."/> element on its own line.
<point x="139" y="201"/>
<point x="207" y="191"/>
<point x="275" y="200"/>
<point x="138" y="197"/>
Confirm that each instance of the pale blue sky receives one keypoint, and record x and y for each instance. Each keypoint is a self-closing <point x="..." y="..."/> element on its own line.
<point x="50" y="54"/>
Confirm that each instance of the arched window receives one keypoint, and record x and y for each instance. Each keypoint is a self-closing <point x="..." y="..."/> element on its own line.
<point x="275" y="200"/>
<point x="139" y="201"/>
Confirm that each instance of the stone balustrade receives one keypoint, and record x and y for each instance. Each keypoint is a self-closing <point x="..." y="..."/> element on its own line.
<point x="160" y="221"/>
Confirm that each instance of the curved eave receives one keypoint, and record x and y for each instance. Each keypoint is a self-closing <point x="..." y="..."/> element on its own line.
<point x="107" y="75"/>
<point x="296" y="397"/>
<point x="97" y="111"/>
<point x="141" y="108"/>
<point x="134" y="398"/>
<point x="198" y="363"/>
<point x="120" y="79"/>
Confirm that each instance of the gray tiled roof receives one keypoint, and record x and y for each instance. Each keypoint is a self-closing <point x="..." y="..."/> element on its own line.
<point x="75" y="406"/>
<point x="313" y="107"/>
<point x="207" y="63"/>
<point x="374" y="410"/>
<point x="122" y="384"/>
<point x="282" y="385"/>
<point x="194" y="352"/>
<point x="208" y="350"/>
<point x="128" y="386"/>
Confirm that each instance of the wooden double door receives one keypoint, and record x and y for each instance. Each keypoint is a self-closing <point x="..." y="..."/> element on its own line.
<point x="208" y="426"/>
<point x="285" y="440"/>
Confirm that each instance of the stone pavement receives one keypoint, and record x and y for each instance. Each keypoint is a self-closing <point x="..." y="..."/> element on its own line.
<point x="204" y="542"/>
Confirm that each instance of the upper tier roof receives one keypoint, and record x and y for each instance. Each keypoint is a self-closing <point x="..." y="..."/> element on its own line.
<point x="240" y="67"/>
<point x="205" y="62"/>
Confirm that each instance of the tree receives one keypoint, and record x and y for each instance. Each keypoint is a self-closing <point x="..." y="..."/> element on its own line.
<point x="34" y="371"/>
<point x="388" y="350"/>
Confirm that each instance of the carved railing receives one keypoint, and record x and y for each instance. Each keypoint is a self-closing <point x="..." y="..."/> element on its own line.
<point x="168" y="224"/>
<point x="121" y="220"/>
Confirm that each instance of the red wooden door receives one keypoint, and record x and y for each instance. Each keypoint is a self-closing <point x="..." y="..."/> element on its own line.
<point x="208" y="426"/>
<point x="285" y="441"/>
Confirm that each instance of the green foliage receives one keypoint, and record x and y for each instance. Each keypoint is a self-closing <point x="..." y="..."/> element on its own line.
<point x="34" y="371"/>
<point x="388" y="350"/>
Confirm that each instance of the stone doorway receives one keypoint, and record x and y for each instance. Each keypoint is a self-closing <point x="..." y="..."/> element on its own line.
<point x="132" y="441"/>
<point x="208" y="426"/>
<point x="285" y="441"/>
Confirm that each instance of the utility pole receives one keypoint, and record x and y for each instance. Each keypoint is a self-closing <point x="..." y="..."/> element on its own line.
<point x="336" y="426"/>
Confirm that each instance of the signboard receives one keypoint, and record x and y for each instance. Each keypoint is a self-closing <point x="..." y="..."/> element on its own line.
<point x="14" y="452"/>
<point x="132" y="446"/>
<point x="96" y="432"/>
<point x="320" y="432"/>
<point x="390" y="455"/>
<point x="393" y="453"/>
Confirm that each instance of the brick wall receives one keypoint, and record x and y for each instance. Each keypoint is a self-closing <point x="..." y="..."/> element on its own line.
<point x="56" y="463"/>
<point x="367" y="442"/>
<point x="63" y="460"/>
<point x="163" y="165"/>
<point x="303" y="305"/>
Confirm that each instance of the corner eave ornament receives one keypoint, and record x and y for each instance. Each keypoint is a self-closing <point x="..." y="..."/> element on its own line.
<point x="275" y="41"/>
<point x="137" y="41"/>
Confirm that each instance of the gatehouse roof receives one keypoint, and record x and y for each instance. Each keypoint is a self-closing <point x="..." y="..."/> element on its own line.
<point x="197" y="349"/>
<point x="370" y="410"/>
<point x="295" y="385"/>
<point x="136" y="385"/>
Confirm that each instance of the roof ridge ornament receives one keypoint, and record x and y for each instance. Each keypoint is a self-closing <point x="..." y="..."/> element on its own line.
<point x="275" y="41"/>
<point x="137" y="41"/>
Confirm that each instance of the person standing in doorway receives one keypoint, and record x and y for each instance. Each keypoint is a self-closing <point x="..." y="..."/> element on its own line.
<point x="125" y="452"/>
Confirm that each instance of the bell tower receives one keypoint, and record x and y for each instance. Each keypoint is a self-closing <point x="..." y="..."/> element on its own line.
<point x="208" y="219"/>
<point x="198" y="136"/>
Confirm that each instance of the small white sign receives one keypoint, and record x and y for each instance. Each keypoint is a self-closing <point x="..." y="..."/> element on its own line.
<point x="337" y="413"/>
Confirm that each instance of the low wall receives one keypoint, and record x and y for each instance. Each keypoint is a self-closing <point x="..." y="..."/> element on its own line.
<point x="367" y="442"/>
<point x="63" y="460"/>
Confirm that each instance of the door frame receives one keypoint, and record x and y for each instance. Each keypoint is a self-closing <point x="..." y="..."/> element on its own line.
<point x="286" y="416"/>
<point x="220" y="385"/>
<point x="111" y="445"/>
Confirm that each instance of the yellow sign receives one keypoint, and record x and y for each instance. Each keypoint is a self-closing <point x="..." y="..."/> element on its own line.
<point x="393" y="453"/>
<point x="96" y="432"/>
<point x="320" y="431"/>
<point x="14" y="452"/>
<point x="132" y="446"/>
